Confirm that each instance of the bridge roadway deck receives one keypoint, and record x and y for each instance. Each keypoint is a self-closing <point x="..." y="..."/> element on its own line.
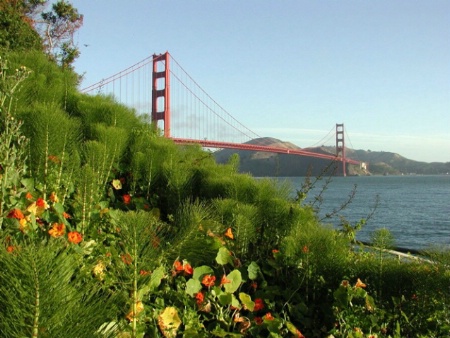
<point x="254" y="147"/>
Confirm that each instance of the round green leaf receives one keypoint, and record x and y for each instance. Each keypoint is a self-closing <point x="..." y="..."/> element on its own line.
<point x="253" y="270"/>
<point x="236" y="279"/>
<point x="224" y="256"/>
<point x="193" y="286"/>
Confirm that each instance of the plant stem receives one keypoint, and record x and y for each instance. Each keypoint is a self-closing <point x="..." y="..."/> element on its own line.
<point x="36" y="303"/>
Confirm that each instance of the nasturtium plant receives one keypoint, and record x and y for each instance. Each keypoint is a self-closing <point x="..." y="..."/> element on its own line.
<point x="235" y="280"/>
<point x="253" y="271"/>
<point x="247" y="301"/>
<point x="201" y="271"/>
<point x="193" y="286"/>
<point x="224" y="256"/>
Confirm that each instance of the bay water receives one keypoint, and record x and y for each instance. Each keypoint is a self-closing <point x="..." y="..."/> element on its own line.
<point x="414" y="208"/>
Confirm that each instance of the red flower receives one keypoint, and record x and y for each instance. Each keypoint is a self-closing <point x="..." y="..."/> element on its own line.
<point x="178" y="266"/>
<point x="16" y="213"/>
<point x="188" y="268"/>
<point x="28" y="196"/>
<point x="74" y="237"/>
<point x="208" y="280"/>
<point x="183" y="267"/>
<point x="54" y="159"/>
<point x="155" y="242"/>
<point x="298" y="334"/>
<point x="259" y="304"/>
<point x="200" y="297"/>
<point x="258" y="320"/>
<point x="305" y="249"/>
<point x="41" y="203"/>
<point x="10" y="248"/>
<point x="268" y="316"/>
<point x="66" y="215"/>
<point x="126" y="258"/>
<point x="126" y="199"/>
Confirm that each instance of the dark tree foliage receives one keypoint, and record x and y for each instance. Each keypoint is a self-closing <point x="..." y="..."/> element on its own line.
<point x="17" y="26"/>
<point x="26" y="24"/>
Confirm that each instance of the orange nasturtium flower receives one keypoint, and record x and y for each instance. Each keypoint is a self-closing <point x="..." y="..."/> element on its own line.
<point x="188" y="268"/>
<point x="200" y="297"/>
<point x="183" y="267"/>
<point x="126" y="199"/>
<point x="16" y="213"/>
<point x="28" y="196"/>
<point x="126" y="258"/>
<point x="259" y="304"/>
<point x="41" y="203"/>
<point x="268" y="316"/>
<point x="10" y="248"/>
<point x="208" y="280"/>
<point x="229" y="234"/>
<point x="57" y="230"/>
<point x="54" y="159"/>
<point x="359" y="284"/>
<point x="224" y="280"/>
<point x="345" y="283"/>
<point x="178" y="266"/>
<point x="53" y="197"/>
<point x="74" y="237"/>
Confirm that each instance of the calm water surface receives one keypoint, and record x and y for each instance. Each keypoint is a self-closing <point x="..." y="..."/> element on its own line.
<point x="416" y="209"/>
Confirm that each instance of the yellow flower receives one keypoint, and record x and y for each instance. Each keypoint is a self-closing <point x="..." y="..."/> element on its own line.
<point x="37" y="208"/>
<point x="23" y="225"/>
<point x="99" y="270"/>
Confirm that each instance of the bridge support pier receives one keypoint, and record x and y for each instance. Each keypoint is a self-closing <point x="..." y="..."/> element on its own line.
<point x="159" y="91"/>
<point x="340" y="146"/>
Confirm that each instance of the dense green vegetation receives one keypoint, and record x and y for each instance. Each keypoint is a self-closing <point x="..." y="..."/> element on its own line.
<point x="110" y="230"/>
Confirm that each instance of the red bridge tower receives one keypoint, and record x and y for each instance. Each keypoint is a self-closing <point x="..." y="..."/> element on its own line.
<point x="340" y="145"/>
<point x="161" y="91"/>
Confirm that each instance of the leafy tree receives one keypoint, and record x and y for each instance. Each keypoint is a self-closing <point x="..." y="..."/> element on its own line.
<point x="57" y="28"/>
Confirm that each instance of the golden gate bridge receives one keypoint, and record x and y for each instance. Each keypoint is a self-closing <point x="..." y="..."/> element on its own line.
<point x="160" y="88"/>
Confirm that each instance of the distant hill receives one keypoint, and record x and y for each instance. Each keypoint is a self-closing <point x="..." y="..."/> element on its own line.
<point x="271" y="164"/>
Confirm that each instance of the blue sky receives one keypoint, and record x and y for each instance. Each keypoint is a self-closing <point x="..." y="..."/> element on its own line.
<point x="292" y="69"/>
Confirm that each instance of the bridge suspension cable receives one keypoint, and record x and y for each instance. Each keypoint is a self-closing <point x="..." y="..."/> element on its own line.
<point x="328" y="137"/>
<point x="348" y="139"/>
<point x="219" y="113"/>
